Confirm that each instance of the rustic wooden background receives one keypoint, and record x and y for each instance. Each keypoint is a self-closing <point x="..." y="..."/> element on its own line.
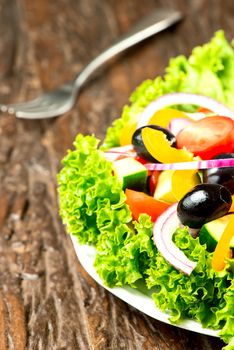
<point x="47" y="300"/>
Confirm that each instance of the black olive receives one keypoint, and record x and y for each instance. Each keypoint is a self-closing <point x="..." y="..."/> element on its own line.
<point x="205" y="202"/>
<point x="222" y="176"/>
<point x="139" y="146"/>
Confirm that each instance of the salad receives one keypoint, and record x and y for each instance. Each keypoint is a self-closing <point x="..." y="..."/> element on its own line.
<point x="156" y="197"/>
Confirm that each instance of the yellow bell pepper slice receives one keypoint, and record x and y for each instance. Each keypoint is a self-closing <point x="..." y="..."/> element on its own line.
<point x="126" y="134"/>
<point x="183" y="181"/>
<point x="232" y="206"/>
<point x="158" y="146"/>
<point x="164" y="116"/>
<point x="174" y="184"/>
<point x="222" y="250"/>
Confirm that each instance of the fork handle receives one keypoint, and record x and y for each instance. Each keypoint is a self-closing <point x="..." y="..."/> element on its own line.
<point x="152" y="24"/>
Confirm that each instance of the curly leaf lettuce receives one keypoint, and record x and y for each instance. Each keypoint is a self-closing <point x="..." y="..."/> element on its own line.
<point x="124" y="255"/>
<point x="199" y="296"/>
<point x="87" y="188"/>
<point x="225" y="316"/>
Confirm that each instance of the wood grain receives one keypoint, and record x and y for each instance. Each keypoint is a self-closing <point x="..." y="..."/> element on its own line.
<point x="47" y="300"/>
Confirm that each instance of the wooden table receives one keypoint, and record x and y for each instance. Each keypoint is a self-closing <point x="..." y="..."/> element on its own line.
<point x="47" y="300"/>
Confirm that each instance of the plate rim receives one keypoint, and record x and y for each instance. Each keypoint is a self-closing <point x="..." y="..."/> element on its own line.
<point x="86" y="254"/>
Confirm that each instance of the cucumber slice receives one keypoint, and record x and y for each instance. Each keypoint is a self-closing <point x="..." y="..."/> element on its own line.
<point x="211" y="232"/>
<point x="131" y="173"/>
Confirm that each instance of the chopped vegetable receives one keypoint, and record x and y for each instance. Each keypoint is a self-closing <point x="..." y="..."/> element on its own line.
<point x="140" y="203"/>
<point x="158" y="146"/>
<point x="183" y="181"/>
<point x="232" y="206"/>
<point x="125" y="137"/>
<point x="115" y="153"/>
<point x="205" y="111"/>
<point x="153" y="181"/>
<point x="223" y="176"/>
<point x="198" y="164"/>
<point x="164" y="228"/>
<point x="131" y="173"/>
<point x="205" y="202"/>
<point x="178" y="124"/>
<point x="223" y="247"/>
<point x="208" y="137"/>
<point x="164" y="190"/>
<point x="174" y="184"/>
<point x="139" y="145"/>
<point x="212" y="231"/>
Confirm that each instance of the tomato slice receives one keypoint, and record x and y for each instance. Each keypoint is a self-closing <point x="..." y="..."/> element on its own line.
<point x="140" y="202"/>
<point x="208" y="137"/>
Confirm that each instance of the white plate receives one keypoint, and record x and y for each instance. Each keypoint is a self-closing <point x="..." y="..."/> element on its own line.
<point x="134" y="297"/>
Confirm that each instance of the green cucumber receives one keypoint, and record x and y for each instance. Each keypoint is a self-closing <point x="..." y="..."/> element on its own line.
<point x="131" y="173"/>
<point x="211" y="232"/>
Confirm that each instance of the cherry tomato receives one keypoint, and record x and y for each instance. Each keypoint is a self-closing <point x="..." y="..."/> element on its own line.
<point x="208" y="137"/>
<point x="140" y="203"/>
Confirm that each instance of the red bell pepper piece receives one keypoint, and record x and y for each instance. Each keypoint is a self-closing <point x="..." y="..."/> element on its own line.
<point x="140" y="202"/>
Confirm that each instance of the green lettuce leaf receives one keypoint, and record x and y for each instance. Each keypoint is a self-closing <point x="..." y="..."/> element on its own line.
<point x="124" y="254"/>
<point x="87" y="187"/>
<point x="198" y="296"/>
<point x="225" y="316"/>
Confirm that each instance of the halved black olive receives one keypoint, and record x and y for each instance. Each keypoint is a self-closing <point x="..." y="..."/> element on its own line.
<point x="139" y="146"/>
<point x="205" y="202"/>
<point x="222" y="176"/>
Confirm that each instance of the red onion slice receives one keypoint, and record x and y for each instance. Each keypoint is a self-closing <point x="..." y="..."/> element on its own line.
<point x="177" y="124"/>
<point x="197" y="115"/>
<point x="199" y="164"/>
<point x="116" y="153"/>
<point x="121" y="149"/>
<point x="183" y="98"/>
<point x="163" y="230"/>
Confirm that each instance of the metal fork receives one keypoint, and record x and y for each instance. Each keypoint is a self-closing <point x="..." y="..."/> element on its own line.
<point x="61" y="100"/>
